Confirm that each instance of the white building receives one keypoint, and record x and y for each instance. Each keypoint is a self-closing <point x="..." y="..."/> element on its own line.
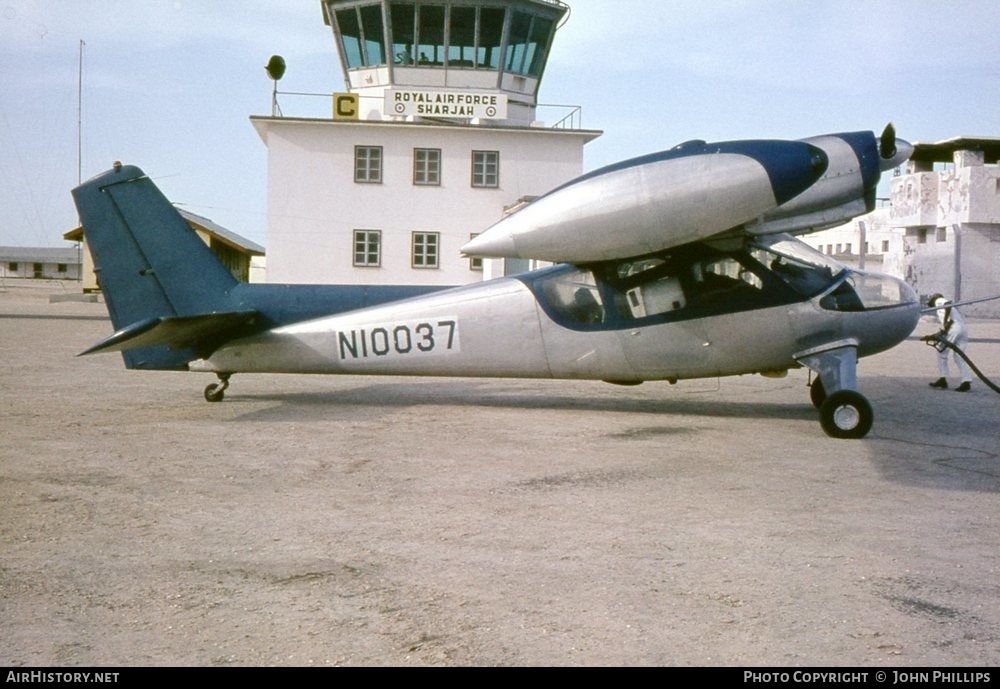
<point x="436" y="136"/>
<point x="43" y="263"/>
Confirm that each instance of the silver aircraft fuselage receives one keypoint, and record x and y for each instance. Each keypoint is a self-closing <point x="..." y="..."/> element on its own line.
<point x="530" y="326"/>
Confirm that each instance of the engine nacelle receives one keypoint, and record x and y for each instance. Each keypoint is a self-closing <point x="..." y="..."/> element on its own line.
<point x="847" y="188"/>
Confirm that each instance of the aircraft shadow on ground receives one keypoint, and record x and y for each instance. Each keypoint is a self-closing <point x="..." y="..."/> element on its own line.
<point x="907" y="446"/>
<point x="317" y="406"/>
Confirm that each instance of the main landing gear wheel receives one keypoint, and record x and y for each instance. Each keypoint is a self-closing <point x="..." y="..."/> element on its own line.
<point x="817" y="393"/>
<point x="846" y="414"/>
<point x="216" y="392"/>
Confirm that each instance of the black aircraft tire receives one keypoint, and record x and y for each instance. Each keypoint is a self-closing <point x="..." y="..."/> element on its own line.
<point x="846" y="414"/>
<point x="213" y="394"/>
<point x="817" y="393"/>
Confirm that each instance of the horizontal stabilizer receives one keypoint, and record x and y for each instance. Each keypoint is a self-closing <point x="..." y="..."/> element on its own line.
<point x="202" y="333"/>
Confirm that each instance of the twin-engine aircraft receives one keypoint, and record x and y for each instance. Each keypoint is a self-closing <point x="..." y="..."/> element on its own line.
<point x="674" y="265"/>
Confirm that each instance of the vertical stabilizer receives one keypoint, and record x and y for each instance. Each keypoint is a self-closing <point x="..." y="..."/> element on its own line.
<point x="149" y="262"/>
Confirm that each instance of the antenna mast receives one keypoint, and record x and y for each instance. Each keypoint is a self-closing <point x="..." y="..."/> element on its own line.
<point x="79" y="116"/>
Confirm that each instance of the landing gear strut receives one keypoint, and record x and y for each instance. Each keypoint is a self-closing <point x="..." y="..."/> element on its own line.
<point x="843" y="411"/>
<point x="216" y="392"/>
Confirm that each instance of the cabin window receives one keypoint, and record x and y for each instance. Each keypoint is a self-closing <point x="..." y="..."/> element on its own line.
<point x="573" y="297"/>
<point x="485" y="169"/>
<point x="368" y="164"/>
<point x="427" y="166"/>
<point x="368" y="248"/>
<point x="425" y="249"/>
<point x="721" y="281"/>
<point x="802" y="268"/>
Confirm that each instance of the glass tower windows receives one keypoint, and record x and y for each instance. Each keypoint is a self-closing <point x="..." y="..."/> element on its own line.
<point x="462" y="37"/>
<point x="404" y="32"/>
<point x="456" y="34"/>
<point x="528" y="43"/>
<point x="361" y="36"/>
<point x="490" y="37"/>
<point x="350" y="38"/>
<point x="430" y="37"/>
<point x="374" y="35"/>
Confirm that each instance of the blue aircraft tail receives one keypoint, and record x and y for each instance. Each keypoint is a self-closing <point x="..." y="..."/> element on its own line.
<point x="167" y="294"/>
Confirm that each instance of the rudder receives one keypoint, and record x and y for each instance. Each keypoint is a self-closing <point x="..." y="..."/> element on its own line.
<point x="148" y="260"/>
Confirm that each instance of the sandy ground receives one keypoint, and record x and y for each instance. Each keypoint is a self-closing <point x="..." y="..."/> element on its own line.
<point x="378" y="521"/>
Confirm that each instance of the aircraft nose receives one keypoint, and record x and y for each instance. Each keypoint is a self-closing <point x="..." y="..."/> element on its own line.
<point x="890" y="310"/>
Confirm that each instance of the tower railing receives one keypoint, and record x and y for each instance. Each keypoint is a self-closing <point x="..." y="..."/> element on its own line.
<point x="314" y="105"/>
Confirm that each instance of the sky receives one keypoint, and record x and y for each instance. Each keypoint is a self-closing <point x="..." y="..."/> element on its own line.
<point x="169" y="85"/>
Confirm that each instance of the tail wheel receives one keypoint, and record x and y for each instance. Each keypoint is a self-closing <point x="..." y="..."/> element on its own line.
<point x="215" y="392"/>
<point x="846" y="414"/>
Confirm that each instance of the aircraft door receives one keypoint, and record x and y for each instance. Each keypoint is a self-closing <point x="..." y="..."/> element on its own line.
<point x="656" y="349"/>
<point x="575" y="327"/>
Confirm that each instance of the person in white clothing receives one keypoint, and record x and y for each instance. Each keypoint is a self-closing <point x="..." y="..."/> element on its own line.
<point x="952" y="330"/>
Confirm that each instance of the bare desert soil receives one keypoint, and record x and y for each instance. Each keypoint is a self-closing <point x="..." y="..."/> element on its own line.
<point x="379" y="521"/>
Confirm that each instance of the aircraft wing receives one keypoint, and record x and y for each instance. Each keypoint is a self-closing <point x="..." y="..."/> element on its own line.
<point x="698" y="191"/>
<point x="203" y="333"/>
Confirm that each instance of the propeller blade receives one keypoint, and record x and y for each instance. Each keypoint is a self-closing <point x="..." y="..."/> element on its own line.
<point x="887" y="142"/>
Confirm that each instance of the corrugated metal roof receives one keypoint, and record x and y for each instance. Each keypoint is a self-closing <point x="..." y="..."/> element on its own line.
<point x="238" y="241"/>
<point x="228" y="236"/>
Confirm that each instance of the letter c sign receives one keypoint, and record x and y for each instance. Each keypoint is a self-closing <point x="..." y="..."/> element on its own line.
<point x="345" y="106"/>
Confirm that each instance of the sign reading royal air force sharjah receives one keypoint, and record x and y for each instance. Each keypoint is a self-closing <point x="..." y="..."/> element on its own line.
<point x="487" y="106"/>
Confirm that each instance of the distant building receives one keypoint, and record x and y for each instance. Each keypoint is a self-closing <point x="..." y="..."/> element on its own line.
<point x="239" y="254"/>
<point x="44" y="263"/>
<point x="436" y="135"/>
<point x="941" y="231"/>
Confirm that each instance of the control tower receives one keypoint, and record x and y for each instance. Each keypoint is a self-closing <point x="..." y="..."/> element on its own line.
<point x="435" y="138"/>
<point x="488" y="53"/>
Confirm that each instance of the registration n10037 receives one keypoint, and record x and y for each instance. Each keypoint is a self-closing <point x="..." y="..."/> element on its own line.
<point x="417" y="337"/>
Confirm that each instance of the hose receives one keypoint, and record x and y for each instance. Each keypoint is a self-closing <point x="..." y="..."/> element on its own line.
<point x="937" y="341"/>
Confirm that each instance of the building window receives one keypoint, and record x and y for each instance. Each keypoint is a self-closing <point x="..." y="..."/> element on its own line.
<point x="885" y="246"/>
<point x="368" y="248"/>
<point x="425" y="249"/>
<point x="368" y="164"/>
<point x="486" y="168"/>
<point x="12" y="266"/>
<point x="941" y="235"/>
<point x="61" y="268"/>
<point x="475" y="262"/>
<point x="427" y="166"/>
